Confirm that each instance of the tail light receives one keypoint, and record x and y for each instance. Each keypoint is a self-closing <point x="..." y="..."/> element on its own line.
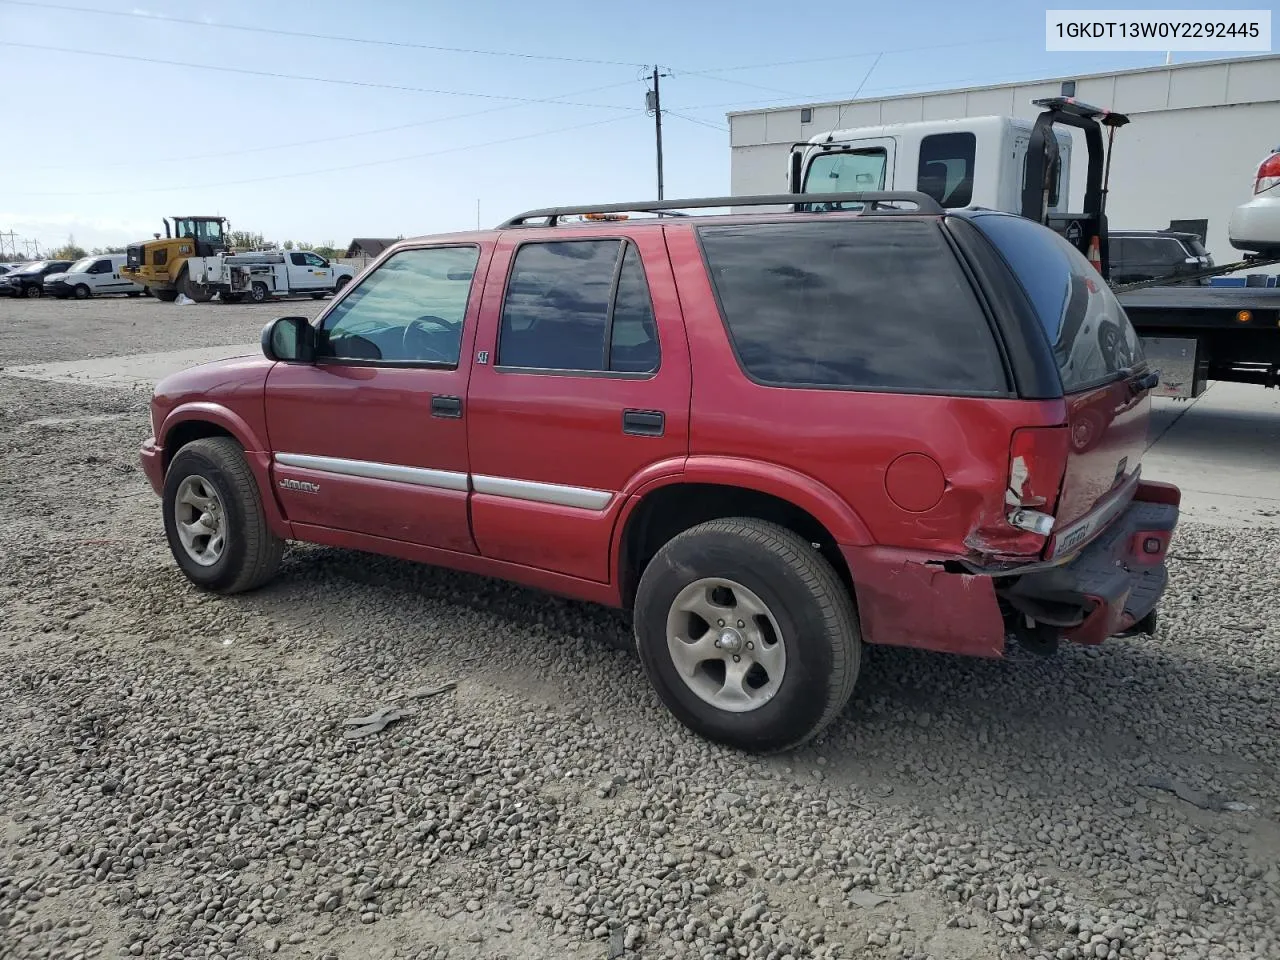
<point x="1037" y="463"/>
<point x="1268" y="173"/>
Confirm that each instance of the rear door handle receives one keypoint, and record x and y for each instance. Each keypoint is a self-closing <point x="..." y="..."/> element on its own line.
<point x="644" y="423"/>
<point x="449" y="407"/>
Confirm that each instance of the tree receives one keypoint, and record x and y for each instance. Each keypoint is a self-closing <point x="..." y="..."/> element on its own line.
<point x="287" y="245"/>
<point x="102" y="251"/>
<point x="245" y="240"/>
<point x="68" y="252"/>
<point x="327" y="249"/>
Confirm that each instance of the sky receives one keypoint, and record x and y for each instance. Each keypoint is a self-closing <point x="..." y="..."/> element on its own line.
<point x="391" y="134"/>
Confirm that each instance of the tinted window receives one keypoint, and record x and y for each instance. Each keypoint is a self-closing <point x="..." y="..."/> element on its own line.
<point x="1156" y="250"/>
<point x="298" y="259"/>
<point x="874" y="305"/>
<point x="102" y="266"/>
<point x="312" y="260"/>
<point x="562" y="310"/>
<point x="411" y="309"/>
<point x="1091" y="336"/>
<point x="946" y="168"/>
<point x="633" y="339"/>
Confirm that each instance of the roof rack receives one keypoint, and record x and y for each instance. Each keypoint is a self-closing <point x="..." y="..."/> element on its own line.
<point x="873" y="198"/>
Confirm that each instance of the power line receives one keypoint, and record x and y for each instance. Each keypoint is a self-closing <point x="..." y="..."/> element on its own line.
<point x="702" y="123"/>
<point x="350" y="166"/>
<point x="295" y="76"/>
<point x="331" y="139"/>
<point x="165" y="18"/>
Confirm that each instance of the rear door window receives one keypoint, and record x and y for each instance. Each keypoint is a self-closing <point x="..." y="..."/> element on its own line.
<point x="856" y="305"/>
<point x="1092" y="338"/>
<point x="578" y="306"/>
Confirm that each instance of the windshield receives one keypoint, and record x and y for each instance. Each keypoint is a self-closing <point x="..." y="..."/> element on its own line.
<point x="83" y="264"/>
<point x="846" y="171"/>
<point x="200" y="229"/>
<point x="34" y="267"/>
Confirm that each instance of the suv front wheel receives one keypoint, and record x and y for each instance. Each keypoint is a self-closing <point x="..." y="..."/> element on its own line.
<point x="747" y="634"/>
<point x="214" y="521"/>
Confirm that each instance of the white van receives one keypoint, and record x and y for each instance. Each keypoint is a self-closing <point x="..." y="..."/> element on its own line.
<point x="91" y="277"/>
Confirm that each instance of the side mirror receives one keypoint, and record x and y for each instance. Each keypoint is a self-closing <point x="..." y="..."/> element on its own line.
<point x="289" y="340"/>
<point x="794" y="170"/>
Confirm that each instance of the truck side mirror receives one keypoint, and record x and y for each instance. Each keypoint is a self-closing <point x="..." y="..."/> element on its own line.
<point x="793" y="178"/>
<point x="289" y="340"/>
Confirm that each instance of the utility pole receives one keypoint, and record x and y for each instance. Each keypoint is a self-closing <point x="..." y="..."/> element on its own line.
<point x="477" y="213"/>
<point x="653" y="104"/>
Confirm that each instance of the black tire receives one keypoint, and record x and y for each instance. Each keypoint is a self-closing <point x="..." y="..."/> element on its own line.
<point x="259" y="293"/>
<point x="230" y="297"/>
<point x="803" y="593"/>
<point x="166" y="296"/>
<point x="81" y="292"/>
<point x="32" y="292"/>
<point x="133" y="293"/>
<point x="338" y="287"/>
<point x="199" y="292"/>
<point x="318" y="296"/>
<point x="252" y="552"/>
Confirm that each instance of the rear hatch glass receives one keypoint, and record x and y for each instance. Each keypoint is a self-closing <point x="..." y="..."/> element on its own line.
<point x="1096" y="350"/>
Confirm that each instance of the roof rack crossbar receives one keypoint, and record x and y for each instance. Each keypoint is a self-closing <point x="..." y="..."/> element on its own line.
<point x="873" y="198"/>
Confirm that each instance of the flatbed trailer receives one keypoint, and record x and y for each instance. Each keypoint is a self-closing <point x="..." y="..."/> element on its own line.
<point x="1196" y="334"/>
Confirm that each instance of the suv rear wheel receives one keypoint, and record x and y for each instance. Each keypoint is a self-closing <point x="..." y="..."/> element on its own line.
<point x="747" y="634"/>
<point x="214" y="521"/>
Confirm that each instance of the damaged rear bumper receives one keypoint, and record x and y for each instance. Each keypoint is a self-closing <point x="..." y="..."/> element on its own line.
<point x="1108" y="586"/>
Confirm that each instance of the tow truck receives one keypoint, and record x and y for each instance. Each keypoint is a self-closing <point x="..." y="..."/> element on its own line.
<point x="1191" y="334"/>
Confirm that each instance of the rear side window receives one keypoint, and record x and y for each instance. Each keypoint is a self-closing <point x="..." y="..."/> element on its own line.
<point x="1091" y="336"/>
<point x="946" y="168"/>
<point x="861" y="305"/>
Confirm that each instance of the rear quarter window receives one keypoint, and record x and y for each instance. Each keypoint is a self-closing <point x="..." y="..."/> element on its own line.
<point x="857" y="305"/>
<point x="1091" y="336"/>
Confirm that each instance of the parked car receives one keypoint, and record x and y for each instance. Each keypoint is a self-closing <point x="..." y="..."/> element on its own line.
<point x="1158" y="255"/>
<point x="772" y="437"/>
<point x="28" y="280"/>
<point x="1255" y="224"/>
<point x="90" y="277"/>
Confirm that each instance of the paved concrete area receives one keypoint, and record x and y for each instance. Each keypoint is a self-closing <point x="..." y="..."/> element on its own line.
<point x="1223" y="450"/>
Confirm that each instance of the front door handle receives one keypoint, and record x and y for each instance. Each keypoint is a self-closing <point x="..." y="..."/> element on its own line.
<point x="448" y="407"/>
<point x="644" y="423"/>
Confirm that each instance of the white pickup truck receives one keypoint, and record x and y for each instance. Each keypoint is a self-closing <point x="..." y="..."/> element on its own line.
<point x="260" y="275"/>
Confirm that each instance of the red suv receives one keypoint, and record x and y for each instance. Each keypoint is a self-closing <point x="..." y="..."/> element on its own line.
<point x="774" y="437"/>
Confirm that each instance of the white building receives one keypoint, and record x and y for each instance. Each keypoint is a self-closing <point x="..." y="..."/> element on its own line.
<point x="1196" y="135"/>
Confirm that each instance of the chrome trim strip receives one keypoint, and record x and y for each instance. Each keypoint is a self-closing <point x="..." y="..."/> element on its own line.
<point x="418" y="476"/>
<point x="553" y="493"/>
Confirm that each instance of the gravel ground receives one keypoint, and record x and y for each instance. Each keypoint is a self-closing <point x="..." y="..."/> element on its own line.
<point x="174" y="779"/>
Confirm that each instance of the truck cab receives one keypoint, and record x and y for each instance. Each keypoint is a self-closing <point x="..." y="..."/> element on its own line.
<point x="974" y="161"/>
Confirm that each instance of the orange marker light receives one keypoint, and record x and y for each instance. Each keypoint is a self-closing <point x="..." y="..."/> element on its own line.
<point x="1244" y="316"/>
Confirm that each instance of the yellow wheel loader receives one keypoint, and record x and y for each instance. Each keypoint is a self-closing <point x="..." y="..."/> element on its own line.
<point x="160" y="265"/>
